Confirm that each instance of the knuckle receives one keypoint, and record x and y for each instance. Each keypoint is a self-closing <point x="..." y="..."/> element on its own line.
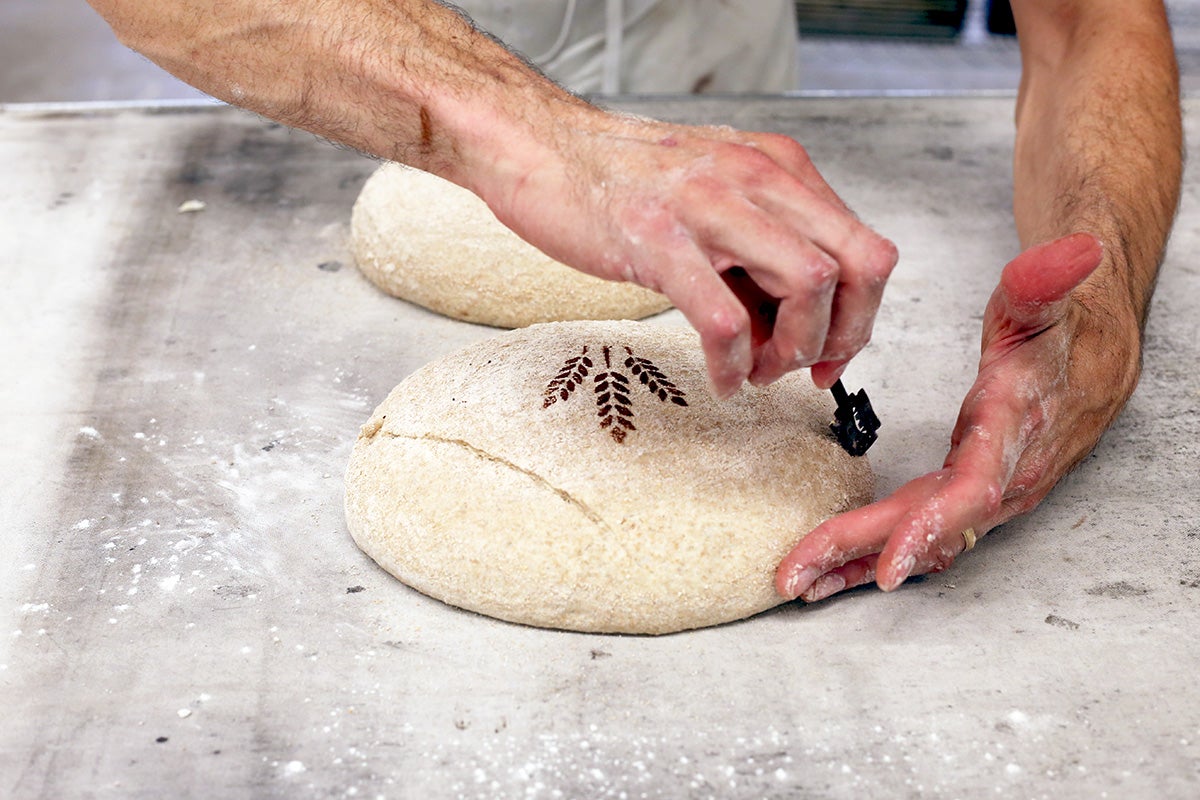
<point x="821" y="272"/>
<point x="725" y="324"/>
<point x="992" y="499"/>
<point x="797" y="151"/>
<point x="782" y="144"/>
<point x="881" y="258"/>
<point x="942" y="561"/>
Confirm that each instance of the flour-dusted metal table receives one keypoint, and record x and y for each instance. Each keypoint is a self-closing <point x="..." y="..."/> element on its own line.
<point x="184" y="614"/>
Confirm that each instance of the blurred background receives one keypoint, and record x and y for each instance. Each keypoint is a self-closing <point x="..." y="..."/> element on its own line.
<point x="60" y="50"/>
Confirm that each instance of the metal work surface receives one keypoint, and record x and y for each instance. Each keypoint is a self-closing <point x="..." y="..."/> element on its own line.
<point x="185" y="615"/>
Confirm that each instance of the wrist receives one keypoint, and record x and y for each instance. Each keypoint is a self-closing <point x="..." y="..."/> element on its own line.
<point x="503" y="139"/>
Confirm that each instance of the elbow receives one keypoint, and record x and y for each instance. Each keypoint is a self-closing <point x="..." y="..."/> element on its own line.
<point x="130" y="28"/>
<point x="1053" y="31"/>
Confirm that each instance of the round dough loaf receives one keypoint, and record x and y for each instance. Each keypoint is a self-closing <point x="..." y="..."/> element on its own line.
<point x="423" y="239"/>
<point x="579" y="475"/>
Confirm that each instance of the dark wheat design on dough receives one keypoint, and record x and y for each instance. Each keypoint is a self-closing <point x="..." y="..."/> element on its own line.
<point x="611" y="388"/>
<point x="574" y="370"/>
<point x="613" y="405"/>
<point x="654" y="380"/>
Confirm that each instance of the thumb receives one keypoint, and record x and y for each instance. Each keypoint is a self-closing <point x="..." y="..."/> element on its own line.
<point x="1034" y="285"/>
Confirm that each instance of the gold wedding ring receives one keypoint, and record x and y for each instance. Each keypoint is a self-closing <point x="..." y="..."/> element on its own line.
<point x="969" y="538"/>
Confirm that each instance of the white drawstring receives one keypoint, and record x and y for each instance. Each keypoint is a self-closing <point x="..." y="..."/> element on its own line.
<point x="611" y="38"/>
<point x="563" y="33"/>
<point x="610" y="82"/>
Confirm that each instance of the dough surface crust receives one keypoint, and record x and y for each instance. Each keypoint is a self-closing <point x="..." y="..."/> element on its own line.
<point x="579" y="476"/>
<point x="425" y="240"/>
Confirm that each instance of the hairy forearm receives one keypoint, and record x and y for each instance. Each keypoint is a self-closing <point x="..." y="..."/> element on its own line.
<point x="1099" y="142"/>
<point x="667" y="206"/>
<point x="407" y="80"/>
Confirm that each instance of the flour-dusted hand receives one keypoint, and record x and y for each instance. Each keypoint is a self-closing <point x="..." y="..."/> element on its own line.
<point x="1055" y="370"/>
<point x="667" y="206"/>
<point x="673" y="207"/>
<point x="1098" y="149"/>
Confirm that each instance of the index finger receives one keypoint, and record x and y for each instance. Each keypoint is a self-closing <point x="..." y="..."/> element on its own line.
<point x="850" y="536"/>
<point x="717" y="315"/>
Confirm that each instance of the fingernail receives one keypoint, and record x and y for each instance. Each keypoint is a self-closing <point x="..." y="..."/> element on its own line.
<point x="799" y="581"/>
<point x="726" y="389"/>
<point x="829" y="379"/>
<point x="760" y="377"/>
<point x="824" y="587"/>
<point x="765" y="369"/>
<point x="725" y="385"/>
<point x="903" y="571"/>
<point x="736" y="369"/>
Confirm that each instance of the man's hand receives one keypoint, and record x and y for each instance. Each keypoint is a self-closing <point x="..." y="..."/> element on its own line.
<point x="667" y="206"/>
<point x="1056" y="368"/>
<point x="1098" y="148"/>
<point x="673" y="207"/>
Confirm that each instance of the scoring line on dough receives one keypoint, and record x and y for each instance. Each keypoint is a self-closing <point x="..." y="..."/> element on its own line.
<point x="583" y="507"/>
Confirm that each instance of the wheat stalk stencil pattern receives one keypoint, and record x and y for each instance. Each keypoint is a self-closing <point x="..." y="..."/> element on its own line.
<point x="653" y="379"/>
<point x="611" y="388"/>
<point x="574" y="370"/>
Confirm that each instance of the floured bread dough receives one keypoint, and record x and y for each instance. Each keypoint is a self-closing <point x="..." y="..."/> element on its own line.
<point x="579" y="475"/>
<point x="428" y="241"/>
